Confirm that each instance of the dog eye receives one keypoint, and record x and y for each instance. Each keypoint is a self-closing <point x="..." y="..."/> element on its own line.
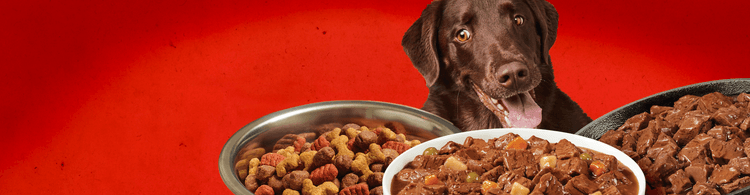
<point x="519" y="20"/>
<point x="463" y="35"/>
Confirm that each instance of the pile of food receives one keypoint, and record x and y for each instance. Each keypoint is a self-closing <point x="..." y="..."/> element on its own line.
<point x="511" y="164"/>
<point x="347" y="160"/>
<point x="699" y="145"/>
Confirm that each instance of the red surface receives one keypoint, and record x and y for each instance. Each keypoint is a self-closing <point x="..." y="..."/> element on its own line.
<point x="139" y="97"/>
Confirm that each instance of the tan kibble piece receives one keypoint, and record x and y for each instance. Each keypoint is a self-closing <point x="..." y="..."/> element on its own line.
<point x="327" y="188"/>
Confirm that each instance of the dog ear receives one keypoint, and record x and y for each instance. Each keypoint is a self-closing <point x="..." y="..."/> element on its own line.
<point x="547" y="17"/>
<point x="420" y="43"/>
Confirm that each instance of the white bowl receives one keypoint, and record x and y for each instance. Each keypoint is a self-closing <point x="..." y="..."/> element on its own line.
<point x="551" y="136"/>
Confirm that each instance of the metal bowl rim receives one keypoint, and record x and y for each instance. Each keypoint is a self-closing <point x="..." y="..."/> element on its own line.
<point x="228" y="152"/>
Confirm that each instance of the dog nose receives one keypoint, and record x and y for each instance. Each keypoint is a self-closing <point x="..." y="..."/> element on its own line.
<point x="513" y="75"/>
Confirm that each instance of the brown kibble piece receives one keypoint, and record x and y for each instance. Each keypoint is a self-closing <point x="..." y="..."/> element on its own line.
<point x="324" y="156"/>
<point x="343" y="163"/>
<point x="276" y="184"/>
<point x="377" y="191"/>
<point x="264" y="172"/>
<point x="349" y="180"/>
<point x="294" y="179"/>
<point x="364" y="139"/>
<point x="375" y="179"/>
<point x="251" y="183"/>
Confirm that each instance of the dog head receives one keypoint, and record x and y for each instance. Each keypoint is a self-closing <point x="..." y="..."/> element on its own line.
<point x="499" y="49"/>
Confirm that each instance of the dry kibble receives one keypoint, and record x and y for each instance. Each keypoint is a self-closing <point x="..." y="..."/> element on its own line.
<point x="390" y="155"/>
<point x="286" y="141"/>
<point x="327" y="188"/>
<point x="398" y="146"/>
<point x="320" y="143"/>
<point x="264" y="190"/>
<point x="271" y="159"/>
<point x="290" y="192"/>
<point x="359" y="189"/>
<point x="324" y="156"/>
<point x="251" y="183"/>
<point x="375" y="179"/>
<point x="294" y="179"/>
<point x="377" y="167"/>
<point x="276" y="184"/>
<point x="377" y="191"/>
<point x="349" y="180"/>
<point x="264" y="172"/>
<point x="364" y="139"/>
<point x="351" y="125"/>
<point x="343" y="164"/>
<point x="324" y="173"/>
<point x="242" y="169"/>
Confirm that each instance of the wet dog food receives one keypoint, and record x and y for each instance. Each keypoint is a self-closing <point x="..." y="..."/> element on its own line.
<point x="347" y="159"/>
<point x="699" y="145"/>
<point x="511" y="165"/>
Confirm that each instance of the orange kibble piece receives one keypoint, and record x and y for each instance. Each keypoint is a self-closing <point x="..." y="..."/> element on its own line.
<point x="597" y="168"/>
<point x="518" y="144"/>
<point x="431" y="179"/>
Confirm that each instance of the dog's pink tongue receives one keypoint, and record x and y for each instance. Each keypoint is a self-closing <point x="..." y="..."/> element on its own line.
<point x="523" y="112"/>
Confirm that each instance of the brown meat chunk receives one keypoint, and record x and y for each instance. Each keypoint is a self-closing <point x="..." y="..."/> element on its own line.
<point x="729" y="116"/>
<point x="723" y="175"/>
<point x="712" y="102"/>
<point x="636" y="122"/>
<point x="520" y="160"/>
<point x="736" y="185"/>
<point x="699" y="173"/>
<point x="692" y="125"/>
<point x="722" y="151"/>
<point x="564" y="149"/>
<point x="613" y="138"/>
<point x="742" y="164"/>
<point x="680" y="182"/>
<point x="548" y="184"/>
<point x="664" y="146"/>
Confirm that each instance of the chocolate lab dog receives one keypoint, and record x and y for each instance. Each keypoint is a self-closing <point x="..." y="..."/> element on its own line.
<point x="487" y="64"/>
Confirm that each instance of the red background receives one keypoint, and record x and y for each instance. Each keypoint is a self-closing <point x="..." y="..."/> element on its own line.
<point x="132" y="97"/>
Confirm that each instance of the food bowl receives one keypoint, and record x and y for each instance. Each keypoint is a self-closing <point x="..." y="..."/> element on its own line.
<point x="265" y="131"/>
<point x="617" y="117"/>
<point x="551" y="136"/>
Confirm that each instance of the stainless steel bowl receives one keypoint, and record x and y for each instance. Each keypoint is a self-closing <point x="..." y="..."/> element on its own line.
<point x="265" y="131"/>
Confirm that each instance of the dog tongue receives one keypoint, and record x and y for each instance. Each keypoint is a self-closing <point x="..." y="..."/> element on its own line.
<point x="523" y="111"/>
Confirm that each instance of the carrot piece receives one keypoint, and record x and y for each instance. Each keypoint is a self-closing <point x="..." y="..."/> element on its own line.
<point x="597" y="168"/>
<point x="430" y="180"/>
<point x="518" y="143"/>
<point x="487" y="185"/>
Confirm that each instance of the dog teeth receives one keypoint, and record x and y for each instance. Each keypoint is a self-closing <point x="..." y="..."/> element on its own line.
<point x="494" y="101"/>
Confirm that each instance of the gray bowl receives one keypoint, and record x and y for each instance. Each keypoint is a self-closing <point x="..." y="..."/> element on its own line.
<point x="265" y="131"/>
<point x="617" y="117"/>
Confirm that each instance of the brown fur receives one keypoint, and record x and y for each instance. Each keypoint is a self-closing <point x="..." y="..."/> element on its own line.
<point x="450" y="67"/>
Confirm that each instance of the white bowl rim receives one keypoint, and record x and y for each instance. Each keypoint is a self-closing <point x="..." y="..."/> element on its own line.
<point x="549" y="135"/>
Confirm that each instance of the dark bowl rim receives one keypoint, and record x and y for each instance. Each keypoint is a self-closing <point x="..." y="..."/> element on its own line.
<point x="671" y="92"/>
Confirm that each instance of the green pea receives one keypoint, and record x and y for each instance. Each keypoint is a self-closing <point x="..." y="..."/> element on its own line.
<point x="473" y="177"/>
<point x="430" y="151"/>
<point x="586" y="156"/>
